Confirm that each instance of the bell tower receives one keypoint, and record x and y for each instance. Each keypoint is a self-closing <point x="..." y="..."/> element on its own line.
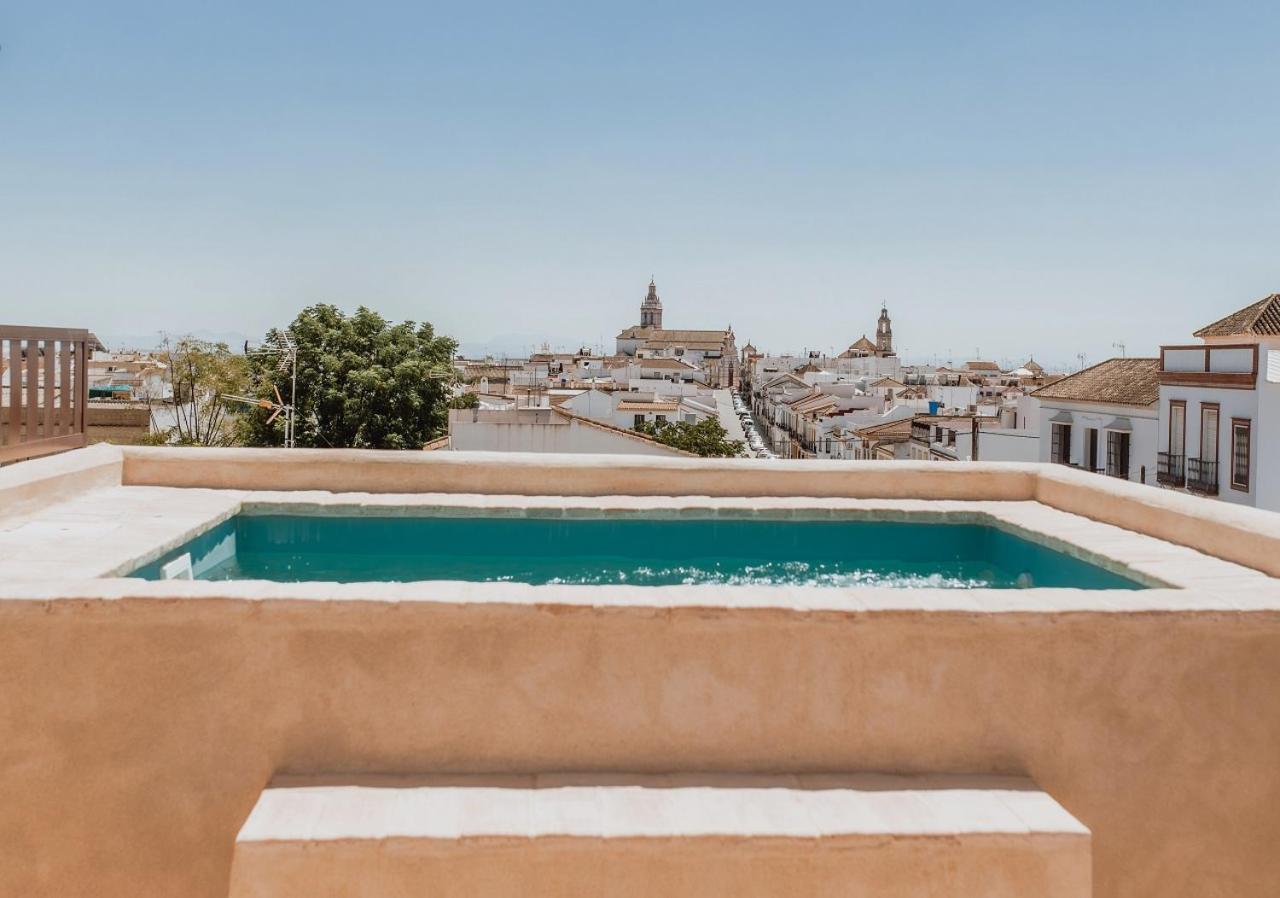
<point x="884" y="334"/>
<point x="651" y="308"/>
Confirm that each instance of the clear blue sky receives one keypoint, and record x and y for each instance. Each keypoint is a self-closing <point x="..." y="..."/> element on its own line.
<point x="1005" y="176"/>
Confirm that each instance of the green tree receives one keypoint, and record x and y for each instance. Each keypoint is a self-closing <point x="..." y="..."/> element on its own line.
<point x="705" y="438"/>
<point x="200" y="375"/>
<point x="363" y="382"/>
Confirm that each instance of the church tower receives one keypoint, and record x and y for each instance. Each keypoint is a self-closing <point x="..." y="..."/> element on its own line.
<point x="884" y="334"/>
<point x="651" y="308"/>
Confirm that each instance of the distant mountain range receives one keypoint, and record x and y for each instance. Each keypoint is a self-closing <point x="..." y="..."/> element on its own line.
<point x="154" y="340"/>
<point x="502" y="345"/>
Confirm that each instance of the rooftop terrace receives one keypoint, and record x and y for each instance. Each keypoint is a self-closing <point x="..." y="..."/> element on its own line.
<point x="153" y="724"/>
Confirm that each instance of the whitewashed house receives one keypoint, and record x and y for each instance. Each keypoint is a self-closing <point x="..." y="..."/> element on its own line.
<point x="1219" y="431"/>
<point x="1104" y="419"/>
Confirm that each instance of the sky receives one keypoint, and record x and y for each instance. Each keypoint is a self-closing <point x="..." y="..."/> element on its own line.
<point x="1010" y="179"/>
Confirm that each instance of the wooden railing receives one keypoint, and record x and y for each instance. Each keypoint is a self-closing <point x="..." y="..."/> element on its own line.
<point x="44" y="390"/>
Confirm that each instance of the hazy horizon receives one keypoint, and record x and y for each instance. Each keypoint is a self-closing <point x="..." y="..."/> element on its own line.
<point x="1008" y="180"/>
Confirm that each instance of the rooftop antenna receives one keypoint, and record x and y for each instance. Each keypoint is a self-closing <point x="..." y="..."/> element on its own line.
<point x="279" y="343"/>
<point x="1080" y="356"/>
<point x="1119" y="346"/>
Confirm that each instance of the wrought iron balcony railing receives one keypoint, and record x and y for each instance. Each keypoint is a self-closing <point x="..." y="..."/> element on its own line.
<point x="1171" y="469"/>
<point x="1202" y="476"/>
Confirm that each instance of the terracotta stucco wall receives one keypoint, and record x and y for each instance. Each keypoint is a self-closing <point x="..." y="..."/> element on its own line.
<point x="138" y="733"/>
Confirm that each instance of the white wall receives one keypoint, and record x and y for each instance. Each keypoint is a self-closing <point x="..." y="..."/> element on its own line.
<point x="1231" y="404"/>
<point x="953" y="397"/>
<point x="1143" y="441"/>
<point x="594" y="404"/>
<point x="1266" y="430"/>
<point x="523" y="435"/>
<point x="1009" y="445"/>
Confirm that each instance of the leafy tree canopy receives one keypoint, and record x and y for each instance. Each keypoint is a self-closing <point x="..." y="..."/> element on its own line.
<point x="363" y="382"/>
<point x="201" y="374"/>
<point x="705" y="438"/>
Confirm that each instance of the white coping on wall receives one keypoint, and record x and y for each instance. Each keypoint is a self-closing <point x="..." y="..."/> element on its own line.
<point x="616" y="806"/>
<point x="83" y="535"/>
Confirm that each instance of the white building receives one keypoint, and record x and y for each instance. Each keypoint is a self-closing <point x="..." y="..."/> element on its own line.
<point x="546" y="429"/>
<point x="1104" y="419"/>
<point x="1219" y="432"/>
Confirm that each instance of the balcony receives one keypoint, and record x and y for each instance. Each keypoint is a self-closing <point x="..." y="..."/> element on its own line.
<point x="1202" y="476"/>
<point x="1171" y="469"/>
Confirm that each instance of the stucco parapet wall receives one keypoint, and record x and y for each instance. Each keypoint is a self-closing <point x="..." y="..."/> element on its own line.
<point x="551" y="474"/>
<point x="30" y="487"/>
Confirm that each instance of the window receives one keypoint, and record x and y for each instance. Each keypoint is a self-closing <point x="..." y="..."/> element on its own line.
<point x="1118" y="454"/>
<point x="661" y="419"/>
<point x="1208" y="432"/>
<point x="639" y="419"/>
<point x="1177" y="427"/>
<point x="1060" y="444"/>
<point x="1091" y="449"/>
<point x="1240" y="428"/>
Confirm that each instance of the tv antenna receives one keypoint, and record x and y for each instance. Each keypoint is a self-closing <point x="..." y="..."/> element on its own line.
<point x="279" y="343"/>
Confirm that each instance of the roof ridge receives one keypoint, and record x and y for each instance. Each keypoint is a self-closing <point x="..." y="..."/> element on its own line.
<point x="1249" y="316"/>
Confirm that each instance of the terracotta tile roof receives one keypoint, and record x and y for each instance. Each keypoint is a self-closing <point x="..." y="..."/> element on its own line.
<point x="858" y="347"/>
<point x="1262" y="319"/>
<point x="780" y="379"/>
<point x="895" y="431"/>
<point x="669" y="364"/>
<point x="1128" y="381"/>
<point x="981" y="366"/>
<point x="687" y="338"/>
<point x="627" y="406"/>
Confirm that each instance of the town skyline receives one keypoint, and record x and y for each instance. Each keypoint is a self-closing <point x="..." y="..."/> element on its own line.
<point x="517" y="343"/>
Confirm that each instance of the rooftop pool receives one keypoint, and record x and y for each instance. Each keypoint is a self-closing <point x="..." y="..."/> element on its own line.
<point x="632" y="550"/>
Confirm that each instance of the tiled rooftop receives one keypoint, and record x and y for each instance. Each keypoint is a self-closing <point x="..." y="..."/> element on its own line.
<point x="1126" y="381"/>
<point x="1261" y="318"/>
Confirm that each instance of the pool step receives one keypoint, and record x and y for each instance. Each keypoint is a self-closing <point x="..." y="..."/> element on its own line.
<point x="678" y="836"/>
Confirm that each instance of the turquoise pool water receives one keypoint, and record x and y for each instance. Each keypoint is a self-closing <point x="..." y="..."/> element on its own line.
<point x="631" y="550"/>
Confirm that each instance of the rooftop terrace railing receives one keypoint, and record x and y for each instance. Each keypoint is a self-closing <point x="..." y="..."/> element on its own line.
<point x="44" y="390"/>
